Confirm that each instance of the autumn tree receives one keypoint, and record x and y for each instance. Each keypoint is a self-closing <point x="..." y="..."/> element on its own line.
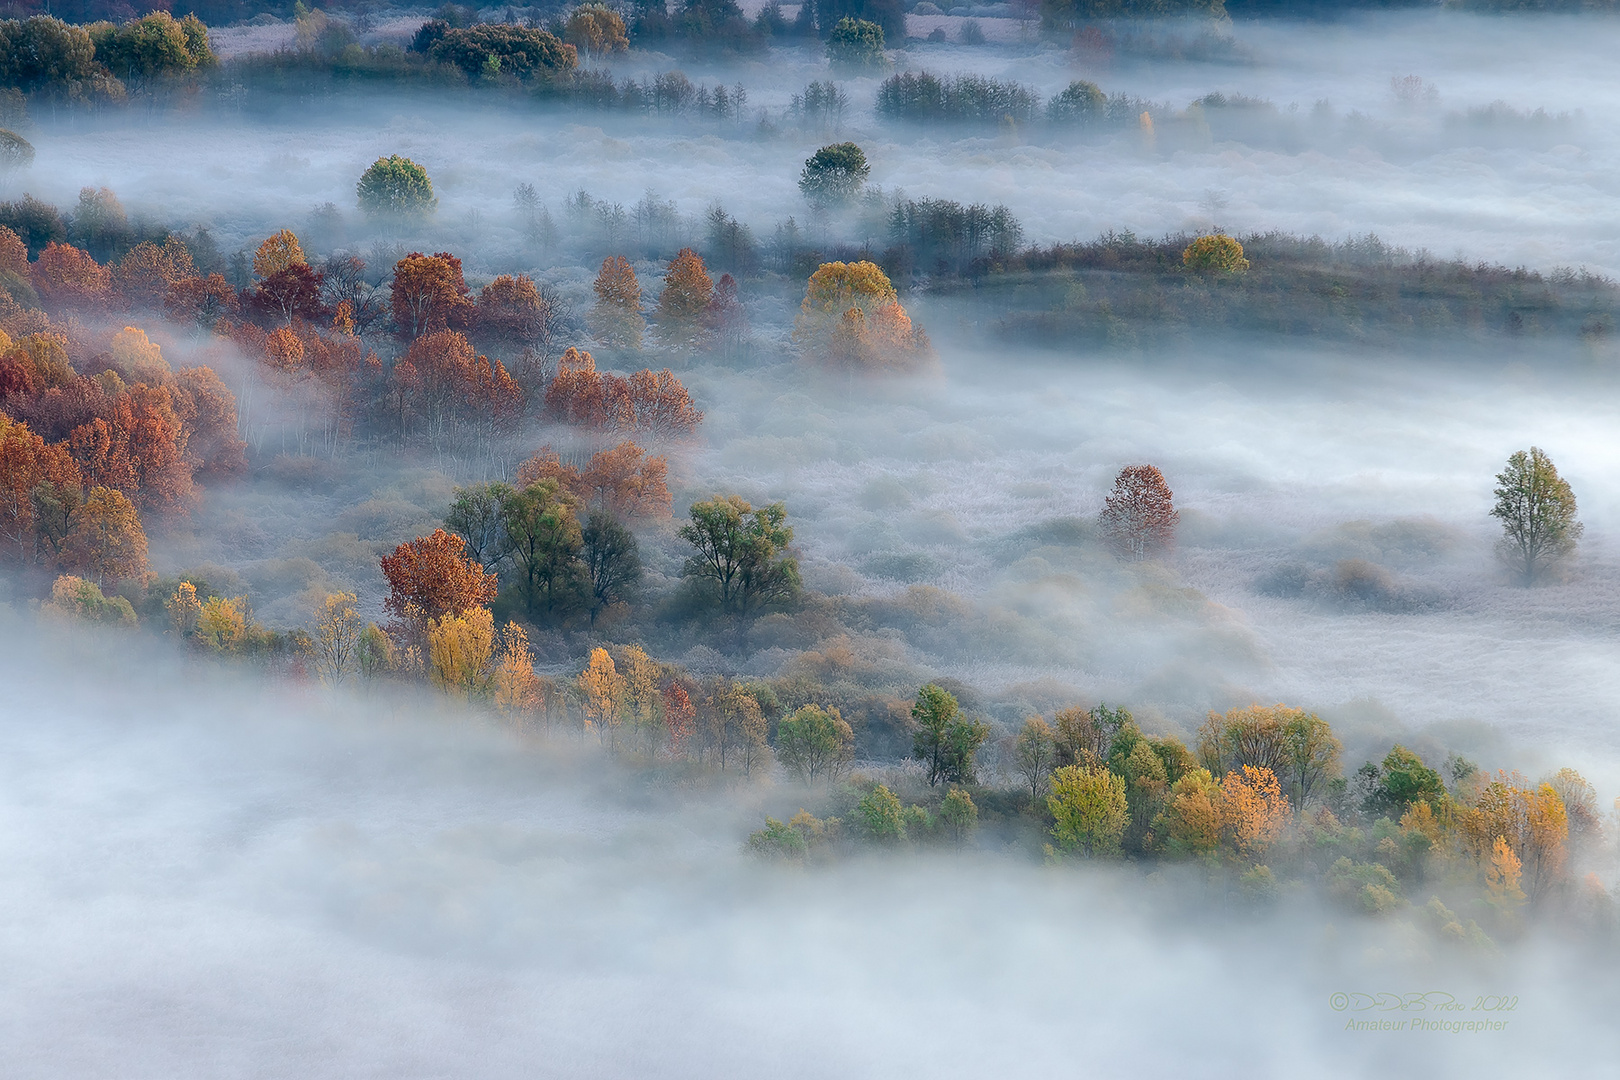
<point x="1033" y="751"/>
<point x="741" y="553"/>
<point x="543" y="537"/>
<point x="396" y="189"/>
<point x="1139" y="518"/>
<point x="733" y="725"/>
<point x="431" y="577"/>
<point x="428" y="294"/>
<point x="616" y="318"/>
<point x="28" y="465"/>
<point x="1254" y="811"/>
<point x="1298" y="747"/>
<point x="517" y="690"/>
<point x="148" y="271"/>
<point x="945" y="741"/>
<point x="68" y="277"/>
<point x="446" y="383"/>
<point x="851" y="319"/>
<point x="602" y="691"/>
<point x="1537" y="511"/>
<point x="278" y="252"/>
<point x="679" y="716"/>
<point x="643" y="701"/>
<point x="611" y="560"/>
<point x="1215" y="255"/>
<point x="512" y="317"/>
<point x="213" y="445"/>
<point x="338" y="627"/>
<point x="816" y="743"/>
<point x="201" y="301"/>
<point x="834" y="175"/>
<point x="626" y="482"/>
<point x="596" y="30"/>
<point x="107" y="541"/>
<point x="291" y="294"/>
<point x="459" y="650"/>
<point x="1085" y="736"/>
<point x="79" y="599"/>
<point x="1190" y="823"/>
<point x="685" y="296"/>
<point x="1089" y="810"/>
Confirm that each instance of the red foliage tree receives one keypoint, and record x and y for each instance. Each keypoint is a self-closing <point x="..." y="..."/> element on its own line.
<point x="65" y="276"/>
<point x="213" y="446"/>
<point x="291" y="293"/>
<point x="1139" y="517"/>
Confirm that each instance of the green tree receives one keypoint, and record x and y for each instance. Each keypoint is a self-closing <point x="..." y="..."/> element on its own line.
<point x="958" y="814"/>
<point x="880" y="816"/>
<point x="834" y="174"/>
<point x="544" y="540"/>
<point x="856" y="45"/>
<point x="477" y="515"/>
<point x="742" y="553"/>
<point x="612" y="561"/>
<point x="396" y="188"/>
<point x="1034" y="751"/>
<point x="945" y="741"/>
<point x="814" y="742"/>
<point x="1400" y="780"/>
<point x="1090" y="809"/>
<point x="1537" y="511"/>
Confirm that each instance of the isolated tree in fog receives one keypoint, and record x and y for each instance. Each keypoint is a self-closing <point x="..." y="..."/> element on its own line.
<point x="856" y="45"/>
<point x="396" y="187"/>
<point x="1139" y="517"/>
<point x="834" y="175"/>
<point x="742" y="552"/>
<point x="596" y="30"/>
<point x="616" y="318"/>
<point x="1537" y="511"/>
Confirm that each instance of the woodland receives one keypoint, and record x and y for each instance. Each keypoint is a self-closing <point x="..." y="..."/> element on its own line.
<point x="557" y="571"/>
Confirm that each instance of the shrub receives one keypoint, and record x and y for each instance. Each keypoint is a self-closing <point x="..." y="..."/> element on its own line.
<point x="1215" y="254"/>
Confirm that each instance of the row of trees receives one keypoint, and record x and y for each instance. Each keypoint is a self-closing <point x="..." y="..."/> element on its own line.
<point x="48" y="58"/>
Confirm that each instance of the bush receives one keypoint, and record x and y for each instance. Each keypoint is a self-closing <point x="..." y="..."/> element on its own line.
<point x="778" y="841"/>
<point x="76" y="598"/>
<point x="1215" y="254"/>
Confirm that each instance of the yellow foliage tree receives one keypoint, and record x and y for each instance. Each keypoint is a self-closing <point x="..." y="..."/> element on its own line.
<point x="1215" y="254"/>
<point x="1190" y="823"/>
<point x="277" y="253"/>
<point x="1254" y="810"/>
<point x="459" y="651"/>
<point x="184" y="610"/>
<point x="338" y="627"/>
<point x="1089" y="810"/>
<point x="1502" y="874"/>
<point x="851" y="318"/>
<point x="518" y="690"/>
<point x="603" y="690"/>
<point x="643" y="700"/>
<point x="222" y="626"/>
<point x="107" y="540"/>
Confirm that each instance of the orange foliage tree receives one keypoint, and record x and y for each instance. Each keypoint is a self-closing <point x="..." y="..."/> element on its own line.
<point x="652" y="401"/>
<point x="616" y="318"/>
<point x="67" y="277"/>
<point x="202" y="301"/>
<point x="431" y="577"/>
<point x="851" y="319"/>
<point x="1254" y="810"/>
<point x="686" y="294"/>
<point x="107" y="541"/>
<point x="146" y="274"/>
<point x="26" y="463"/>
<point x="1139" y="517"/>
<point x="429" y="294"/>
<point x="513" y="318"/>
<point x="624" y="480"/>
<point x="442" y="380"/>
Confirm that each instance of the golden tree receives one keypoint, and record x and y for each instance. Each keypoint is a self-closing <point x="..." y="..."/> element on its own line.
<point x="519" y="692"/>
<point x="184" y="610"/>
<point x="1089" y="810"/>
<point x="851" y="319"/>
<point x="338" y="627"/>
<point x="602" y="689"/>
<point x="596" y="29"/>
<point x="643" y="700"/>
<point x="278" y="253"/>
<point x="459" y="651"/>
<point x="1216" y="255"/>
<point x="107" y="541"/>
<point x="1191" y="820"/>
<point x="1254" y="811"/>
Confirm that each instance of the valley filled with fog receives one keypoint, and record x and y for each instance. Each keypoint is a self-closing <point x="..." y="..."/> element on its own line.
<point x="209" y="869"/>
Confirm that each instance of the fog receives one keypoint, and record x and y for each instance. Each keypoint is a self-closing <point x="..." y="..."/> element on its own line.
<point x="208" y="872"/>
<point x="212" y="879"/>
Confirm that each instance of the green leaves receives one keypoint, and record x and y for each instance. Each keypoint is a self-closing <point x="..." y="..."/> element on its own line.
<point x="1537" y="511"/>
<point x="741" y="550"/>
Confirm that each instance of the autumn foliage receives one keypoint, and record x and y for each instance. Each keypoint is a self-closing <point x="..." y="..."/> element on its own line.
<point x="624" y="480"/>
<point x="851" y="319"/>
<point x="430" y="577"/>
<point x="652" y="402"/>
<point x="1139" y="518"/>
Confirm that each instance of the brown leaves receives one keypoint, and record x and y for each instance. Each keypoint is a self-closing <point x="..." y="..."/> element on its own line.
<point x="1139" y="517"/>
<point x="623" y="480"/>
<point x="649" y="401"/>
<point x="430" y="577"/>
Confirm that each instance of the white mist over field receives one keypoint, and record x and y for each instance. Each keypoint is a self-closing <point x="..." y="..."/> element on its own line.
<point x="1542" y="195"/>
<point x="204" y="878"/>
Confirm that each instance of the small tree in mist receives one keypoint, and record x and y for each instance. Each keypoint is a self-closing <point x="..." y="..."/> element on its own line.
<point x="1139" y="518"/>
<point x="1537" y="511"/>
<point x="958" y="814"/>
<point x="815" y="743"/>
<point x="834" y="175"/>
<point x="616" y="318"/>
<point x="338" y="628"/>
<point x="1089" y="810"/>
<point x="1034" y="752"/>
<point x="945" y="741"/>
<point x="397" y="189"/>
<point x="686" y="294"/>
<point x="742" y="553"/>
